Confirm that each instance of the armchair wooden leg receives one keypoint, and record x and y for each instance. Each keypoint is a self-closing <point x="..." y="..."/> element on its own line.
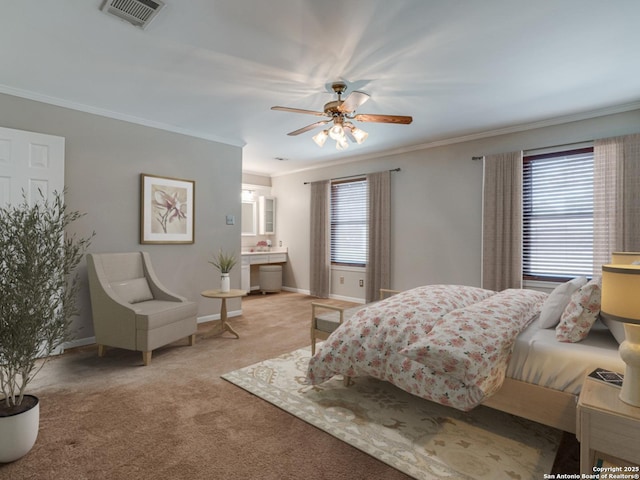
<point x="192" y="340"/>
<point x="313" y="345"/>
<point x="101" y="350"/>
<point x="146" y="358"/>
<point x="347" y="381"/>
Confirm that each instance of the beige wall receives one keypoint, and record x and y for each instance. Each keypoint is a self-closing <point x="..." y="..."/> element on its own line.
<point x="104" y="159"/>
<point x="436" y="204"/>
<point x="254" y="179"/>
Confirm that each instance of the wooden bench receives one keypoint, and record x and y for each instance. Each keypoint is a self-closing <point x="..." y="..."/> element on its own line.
<point x="325" y="318"/>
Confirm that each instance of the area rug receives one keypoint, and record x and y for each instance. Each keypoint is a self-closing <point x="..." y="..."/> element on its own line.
<point x="420" y="438"/>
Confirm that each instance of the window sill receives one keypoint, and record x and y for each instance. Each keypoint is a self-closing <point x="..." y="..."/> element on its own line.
<point x="541" y="285"/>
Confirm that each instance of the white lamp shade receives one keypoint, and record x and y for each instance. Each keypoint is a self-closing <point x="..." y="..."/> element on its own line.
<point x="336" y="132"/>
<point x="625" y="257"/>
<point x="359" y="135"/>
<point x="621" y="292"/>
<point x="320" y="138"/>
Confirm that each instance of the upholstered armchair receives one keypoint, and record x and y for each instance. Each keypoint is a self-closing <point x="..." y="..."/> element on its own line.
<point x="131" y="309"/>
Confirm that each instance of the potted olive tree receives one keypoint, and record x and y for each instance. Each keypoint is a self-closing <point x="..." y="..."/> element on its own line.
<point x="38" y="287"/>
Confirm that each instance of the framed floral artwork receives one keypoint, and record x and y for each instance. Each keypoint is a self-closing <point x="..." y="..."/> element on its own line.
<point x="167" y="209"/>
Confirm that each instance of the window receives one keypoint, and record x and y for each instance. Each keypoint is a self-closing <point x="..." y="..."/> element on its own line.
<point x="349" y="222"/>
<point x="558" y="215"/>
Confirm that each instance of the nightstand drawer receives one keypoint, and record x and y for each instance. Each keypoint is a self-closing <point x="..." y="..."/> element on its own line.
<point x="607" y="430"/>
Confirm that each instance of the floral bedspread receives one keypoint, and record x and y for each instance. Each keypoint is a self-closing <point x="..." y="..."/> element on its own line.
<point x="447" y="343"/>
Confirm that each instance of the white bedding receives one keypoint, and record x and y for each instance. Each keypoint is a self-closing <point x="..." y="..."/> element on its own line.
<point x="540" y="359"/>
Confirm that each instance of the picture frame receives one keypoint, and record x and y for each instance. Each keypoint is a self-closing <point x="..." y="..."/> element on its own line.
<point x="167" y="210"/>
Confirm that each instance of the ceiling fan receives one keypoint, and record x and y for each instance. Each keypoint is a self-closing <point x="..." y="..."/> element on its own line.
<point x="340" y="112"/>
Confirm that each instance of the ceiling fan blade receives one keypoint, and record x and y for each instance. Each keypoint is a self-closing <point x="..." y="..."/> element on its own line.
<point x="298" y="110"/>
<point x="353" y="101"/>
<point x="308" y="127"/>
<point x="367" y="117"/>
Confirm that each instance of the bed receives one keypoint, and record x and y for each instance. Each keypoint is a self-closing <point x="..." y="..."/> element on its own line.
<point x="465" y="346"/>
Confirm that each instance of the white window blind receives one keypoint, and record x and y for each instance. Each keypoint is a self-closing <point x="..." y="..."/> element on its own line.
<point x="349" y="222"/>
<point x="558" y="215"/>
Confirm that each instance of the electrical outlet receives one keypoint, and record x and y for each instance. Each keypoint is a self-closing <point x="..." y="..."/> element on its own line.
<point x="361" y="282"/>
<point x="341" y="280"/>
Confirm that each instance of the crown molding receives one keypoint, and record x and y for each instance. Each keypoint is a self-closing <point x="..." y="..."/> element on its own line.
<point x="38" y="97"/>
<point x="586" y="115"/>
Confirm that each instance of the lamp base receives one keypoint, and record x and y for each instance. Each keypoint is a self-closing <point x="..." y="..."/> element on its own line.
<point x="630" y="354"/>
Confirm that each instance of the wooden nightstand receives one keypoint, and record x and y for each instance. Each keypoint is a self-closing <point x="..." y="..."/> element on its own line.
<point x="607" y="425"/>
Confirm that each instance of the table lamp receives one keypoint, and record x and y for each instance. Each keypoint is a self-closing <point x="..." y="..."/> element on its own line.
<point x="625" y="257"/>
<point x="621" y="302"/>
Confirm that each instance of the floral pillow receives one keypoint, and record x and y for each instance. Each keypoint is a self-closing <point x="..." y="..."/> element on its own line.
<point x="581" y="312"/>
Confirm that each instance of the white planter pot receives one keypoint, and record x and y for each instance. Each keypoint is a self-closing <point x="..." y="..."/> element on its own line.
<point x="225" y="283"/>
<point x="18" y="433"/>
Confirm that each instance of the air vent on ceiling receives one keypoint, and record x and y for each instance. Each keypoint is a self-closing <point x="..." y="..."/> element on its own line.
<point x="137" y="12"/>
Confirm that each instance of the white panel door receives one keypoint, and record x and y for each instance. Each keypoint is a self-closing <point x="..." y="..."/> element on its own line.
<point x="29" y="162"/>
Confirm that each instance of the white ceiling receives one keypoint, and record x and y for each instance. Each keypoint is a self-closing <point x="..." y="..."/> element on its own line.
<point x="213" y="68"/>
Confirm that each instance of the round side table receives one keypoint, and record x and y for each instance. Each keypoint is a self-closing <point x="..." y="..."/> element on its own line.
<point x="233" y="293"/>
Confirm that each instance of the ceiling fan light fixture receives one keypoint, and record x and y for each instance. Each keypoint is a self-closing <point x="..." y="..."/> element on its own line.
<point x="321" y="137"/>
<point x="336" y="132"/>
<point x="359" y="134"/>
<point x="342" y="144"/>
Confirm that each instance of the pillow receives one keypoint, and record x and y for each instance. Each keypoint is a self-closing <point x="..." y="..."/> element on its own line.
<point x="133" y="291"/>
<point x="581" y="313"/>
<point x="616" y="328"/>
<point x="557" y="301"/>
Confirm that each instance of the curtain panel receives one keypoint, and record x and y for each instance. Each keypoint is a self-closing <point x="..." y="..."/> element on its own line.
<point x="616" y="196"/>
<point x="502" y="221"/>
<point x="379" y="237"/>
<point x="320" y="261"/>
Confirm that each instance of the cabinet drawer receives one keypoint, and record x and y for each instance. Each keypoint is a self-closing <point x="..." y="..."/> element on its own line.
<point x="277" y="257"/>
<point x="257" y="259"/>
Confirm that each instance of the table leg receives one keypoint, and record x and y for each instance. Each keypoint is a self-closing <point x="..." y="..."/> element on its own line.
<point x="587" y="454"/>
<point x="223" y="319"/>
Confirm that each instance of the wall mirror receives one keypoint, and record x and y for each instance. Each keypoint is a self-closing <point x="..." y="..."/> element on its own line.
<point x="249" y="218"/>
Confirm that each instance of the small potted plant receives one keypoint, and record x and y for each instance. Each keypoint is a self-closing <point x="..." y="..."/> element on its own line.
<point x="224" y="263"/>
<point x="38" y="288"/>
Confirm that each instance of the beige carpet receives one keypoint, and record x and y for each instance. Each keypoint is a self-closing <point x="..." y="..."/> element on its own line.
<point x="111" y="418"/>
<point x="423" y="439"/>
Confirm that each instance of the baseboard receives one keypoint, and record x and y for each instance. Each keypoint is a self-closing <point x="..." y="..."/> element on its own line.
<point x="296" y="290"/>
<point x="347" y="299"/>
<point x="216" y="316"/>
<point x="79" y="342"/>
<point x="334" y="297"/>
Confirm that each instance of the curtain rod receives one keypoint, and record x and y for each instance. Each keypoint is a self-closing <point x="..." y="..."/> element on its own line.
<point x="353" y="176"/>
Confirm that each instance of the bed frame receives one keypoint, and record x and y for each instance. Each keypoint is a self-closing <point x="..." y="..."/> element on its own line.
<point x="539" y="404"/>
<point x="543" y="405"/>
